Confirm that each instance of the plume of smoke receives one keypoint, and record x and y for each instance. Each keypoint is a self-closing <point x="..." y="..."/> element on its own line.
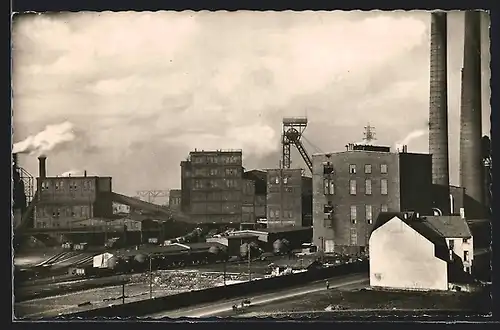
<point x="413" y="135"/>
<point x="46" y="140"/>
<point x="72" y="173"/>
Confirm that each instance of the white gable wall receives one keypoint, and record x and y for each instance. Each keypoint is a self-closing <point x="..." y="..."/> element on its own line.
<point x="401" y="258"/>
<point x="459" y="247"/>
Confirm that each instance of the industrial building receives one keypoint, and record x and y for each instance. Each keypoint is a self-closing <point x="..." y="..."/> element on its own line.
<point x="408" y="251"/>
<point x="259" y="179"/>
<point x="64" y="201"/>
<point x="212" y="186"/>
<point x="350" y="188"/>
<point x="174" y="199"/>
<point x="284" y="197"/>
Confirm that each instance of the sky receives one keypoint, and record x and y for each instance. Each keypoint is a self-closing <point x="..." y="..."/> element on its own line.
<point x="130" y="94"/>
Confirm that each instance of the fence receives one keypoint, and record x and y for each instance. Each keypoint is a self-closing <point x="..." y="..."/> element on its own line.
<point x="185" y="299"/>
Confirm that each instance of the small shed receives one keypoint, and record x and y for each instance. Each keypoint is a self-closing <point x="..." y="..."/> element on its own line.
<point x="101" y="260"/>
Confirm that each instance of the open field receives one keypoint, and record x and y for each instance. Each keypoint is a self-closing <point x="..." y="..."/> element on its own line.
<point x="163" y="283"/>
<point x="352" y="300"/>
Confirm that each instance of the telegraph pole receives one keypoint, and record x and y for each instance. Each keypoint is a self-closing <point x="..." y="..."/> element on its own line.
<point x="249" y="261"/>
<point x="150" y="279"/>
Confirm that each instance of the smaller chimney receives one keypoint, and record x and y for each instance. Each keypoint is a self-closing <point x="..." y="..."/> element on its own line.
<point x="85" y="173"/>
<point x="405" y="148"/>
<point x="42" y="172"/>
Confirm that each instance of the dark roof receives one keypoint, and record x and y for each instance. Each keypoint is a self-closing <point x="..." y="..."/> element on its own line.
<point x="450" y="226"/>
<point x="420" y="226"/>
<point x="151" y="250"/>
<point x="285" y="229"/>
<point x="202" y="246"/>
<point x="242" y="235"/>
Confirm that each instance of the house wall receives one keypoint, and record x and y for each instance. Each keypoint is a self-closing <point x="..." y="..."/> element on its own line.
<point x="284" y="197"/>
<point x="401" y="258"/>
<point x="340" y="233"/>
<point x="460" y="247"/>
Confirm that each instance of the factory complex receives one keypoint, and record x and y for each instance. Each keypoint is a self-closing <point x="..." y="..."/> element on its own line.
<point x="395" y="206"/>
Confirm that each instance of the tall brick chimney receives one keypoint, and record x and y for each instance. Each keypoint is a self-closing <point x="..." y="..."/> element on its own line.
<point x="471" y="166"/>
<point x="438" y="111"/>
<point x="42" y="172"/>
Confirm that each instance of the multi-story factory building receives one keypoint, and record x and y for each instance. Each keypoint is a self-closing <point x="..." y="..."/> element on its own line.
<point x="248" y="202"/>
<point x="66" y="201"/>
<point x="284" y="197"/>
<point x="259" y="178"/>
<point x="351" y="187"/>
<point x="174" y="199"/>
<point x="212" y="186"/>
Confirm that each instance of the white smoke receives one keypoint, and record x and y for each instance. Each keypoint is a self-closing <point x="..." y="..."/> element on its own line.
<point x="46" y="140"/>
<point x="72" y="173"/>
<point x="365" y="142"/>
<point x="413" y="135"/>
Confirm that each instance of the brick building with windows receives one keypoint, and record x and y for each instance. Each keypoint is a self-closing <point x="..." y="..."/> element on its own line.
<point x="213" y="189"/>
<point x="66" y="201"/>
<point x="350" y="188"/>
<point x="284" y="197"/>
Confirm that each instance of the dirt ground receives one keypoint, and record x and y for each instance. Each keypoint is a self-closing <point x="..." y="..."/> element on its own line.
<point x="349" y="299"/>
<point x="163" y="283"/>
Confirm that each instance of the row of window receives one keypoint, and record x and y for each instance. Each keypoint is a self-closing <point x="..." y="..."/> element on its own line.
<point x="215" y="196"/>
<point x="275" y="214"/>
<point x="223" y="183"/>
<point x="217" y="172"/>
<point x="73" y="185"/>
<point x="220" y="159"/>
<point x="276" y="180"/>
<point x="368" y="169"/>
<point x="274" y="190"/>
<point x="71" y="211"/>
<point x="175" y="201"/>
<point x="329" y="187"/>
<point x="329" y="213"/>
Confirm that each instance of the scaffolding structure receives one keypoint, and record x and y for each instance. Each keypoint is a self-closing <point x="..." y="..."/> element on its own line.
<point x="151" y="195"/>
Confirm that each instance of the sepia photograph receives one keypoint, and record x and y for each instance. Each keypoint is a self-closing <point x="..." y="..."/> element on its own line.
<point x="251" y="164"/>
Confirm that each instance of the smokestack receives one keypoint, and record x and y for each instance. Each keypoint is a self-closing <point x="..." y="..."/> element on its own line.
<point x="438" y="110"/>
<point x="471" y="169"/>
<point x="41" y="167"/>
<point x="14" y="161"/>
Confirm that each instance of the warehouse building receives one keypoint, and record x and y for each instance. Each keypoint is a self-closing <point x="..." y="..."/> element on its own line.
<point x="352" y="187"/>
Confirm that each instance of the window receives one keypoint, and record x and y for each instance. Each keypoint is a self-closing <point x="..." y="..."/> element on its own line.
<point x="384" y="208"/>
<point x="383" y="186"/>
<point x="285" y="180"/>
<point x="328" y="208"/>
<point x="213" y="171"/>
<point x="329" y="188"/>
<point x="353" y="237"/>
<point x="353" y="214"/>
<point x="466" y="255"/>
<point x="352" y="169"/>
<point x="368" y="187"/>
<point x="465" y="240"/>
<point x="277" y="180"/>
<point x="368" y="169"/>
<point x="452" y="244"/>
<point x="352" y="185"/>
<point x="57" y="186"/>
<point x="467" y="270"/>
<point x="383" y="168"/>
<point x="327" y="168"/>
<point x="290" y="214"/>
<point x="368" y="211"/>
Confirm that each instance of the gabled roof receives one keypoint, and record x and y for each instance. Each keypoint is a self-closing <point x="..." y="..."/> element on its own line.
<point x="450" y="226"/>
<point x="421" y="227"/>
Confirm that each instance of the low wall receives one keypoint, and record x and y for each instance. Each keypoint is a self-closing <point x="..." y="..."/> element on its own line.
<point x="172" y="302"/>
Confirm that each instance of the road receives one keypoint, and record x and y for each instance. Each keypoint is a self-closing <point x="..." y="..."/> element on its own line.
<point x="214" y="309"/>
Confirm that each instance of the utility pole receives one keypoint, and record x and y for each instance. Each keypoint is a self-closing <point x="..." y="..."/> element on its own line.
<point x="123" y="292"/>
<point x="249" y="261"/>
<point x="225" y="260"/>
<point x="150" y="279"/>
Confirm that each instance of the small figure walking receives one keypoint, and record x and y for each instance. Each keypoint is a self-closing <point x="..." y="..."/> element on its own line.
<point x="327" y="285"/>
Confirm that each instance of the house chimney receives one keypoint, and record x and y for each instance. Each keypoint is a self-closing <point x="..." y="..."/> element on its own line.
<point x="471" y="167"/>
<point x="438" y="110"/>
<point x="85" y="173"/>
<point x="42" y="174"/>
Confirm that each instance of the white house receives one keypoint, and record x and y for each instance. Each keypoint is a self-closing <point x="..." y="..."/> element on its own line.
<point x="101" y="260"/>
<point x="407" y="252"/>
<point x="458" y="237"/>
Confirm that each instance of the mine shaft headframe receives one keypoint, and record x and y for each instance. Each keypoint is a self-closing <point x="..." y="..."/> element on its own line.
<point x="293" y="127"/>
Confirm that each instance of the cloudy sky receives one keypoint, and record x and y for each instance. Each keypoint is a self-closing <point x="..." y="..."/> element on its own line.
<point x="143" y="89"/>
